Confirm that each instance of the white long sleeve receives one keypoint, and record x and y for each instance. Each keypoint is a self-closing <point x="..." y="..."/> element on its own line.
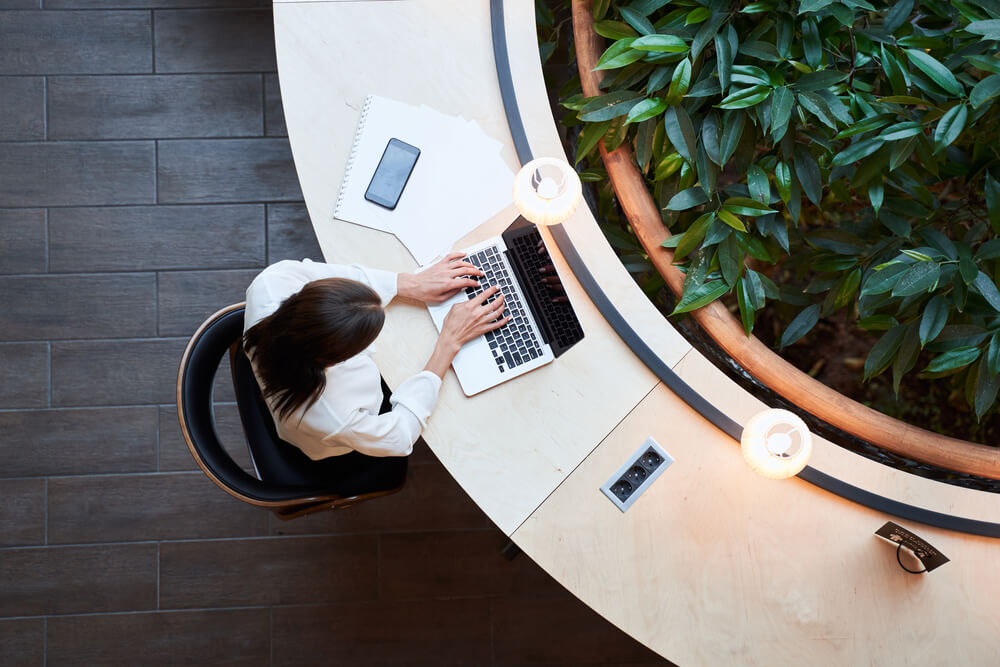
<point x="346" y="416"/>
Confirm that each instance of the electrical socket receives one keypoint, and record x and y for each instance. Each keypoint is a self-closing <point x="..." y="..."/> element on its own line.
<point x="637" y="474"/>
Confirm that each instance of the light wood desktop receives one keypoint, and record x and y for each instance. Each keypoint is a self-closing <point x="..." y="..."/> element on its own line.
<point x="712" y="565"/>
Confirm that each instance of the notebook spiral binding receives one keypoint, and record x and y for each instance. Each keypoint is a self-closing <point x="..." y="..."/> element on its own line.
<point x="354" y="149"/>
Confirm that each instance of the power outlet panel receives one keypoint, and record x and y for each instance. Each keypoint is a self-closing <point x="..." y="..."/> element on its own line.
<point x="637" y="474"/>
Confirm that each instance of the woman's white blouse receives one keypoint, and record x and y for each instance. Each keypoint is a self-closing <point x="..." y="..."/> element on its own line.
<point x="345" y="418"/>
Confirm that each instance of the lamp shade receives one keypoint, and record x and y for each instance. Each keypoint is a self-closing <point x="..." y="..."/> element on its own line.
<point x="776" y="444"/>
<point x="547" y="191"/>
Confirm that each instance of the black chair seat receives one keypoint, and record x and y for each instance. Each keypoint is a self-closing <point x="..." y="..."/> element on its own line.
<point x="287" y="481"/>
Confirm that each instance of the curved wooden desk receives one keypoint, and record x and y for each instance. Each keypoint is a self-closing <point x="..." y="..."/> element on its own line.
<point x="712" y="565"/>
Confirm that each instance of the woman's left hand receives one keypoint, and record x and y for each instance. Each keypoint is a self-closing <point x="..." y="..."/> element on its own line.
<point x="440" y="281"/>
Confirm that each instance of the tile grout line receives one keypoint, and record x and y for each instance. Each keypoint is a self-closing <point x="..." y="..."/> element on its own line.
<point x="45" y="641"/>
<point x="270" y="635"/>
<point x="159" y="425"/>
<point x="45" y="107"/>
<point x="152" y="38"/>
<point x="48" y="244"/>
<point x="48" y="349"/>
<point x="45" y="515"/>
<point x="159" y="566"/>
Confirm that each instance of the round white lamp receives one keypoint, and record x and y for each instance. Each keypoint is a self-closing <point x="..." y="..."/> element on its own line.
<point x="776" y="444"/>
<point x="547" y="191"/>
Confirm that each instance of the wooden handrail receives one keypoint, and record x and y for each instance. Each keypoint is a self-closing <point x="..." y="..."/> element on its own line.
<point x="756" y="358"/>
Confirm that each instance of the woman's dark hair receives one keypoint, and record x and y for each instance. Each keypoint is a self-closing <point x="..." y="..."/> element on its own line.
<point x="328" y="321"/>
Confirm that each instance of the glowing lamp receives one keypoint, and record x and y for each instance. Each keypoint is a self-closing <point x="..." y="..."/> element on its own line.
<point x="776" y="444"/>
<point x="547" y="191"/>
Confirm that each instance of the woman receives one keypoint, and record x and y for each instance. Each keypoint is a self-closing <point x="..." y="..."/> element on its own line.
<point x="309" y="332"/>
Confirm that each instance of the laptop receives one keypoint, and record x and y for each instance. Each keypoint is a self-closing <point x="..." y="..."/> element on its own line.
<point x="543" y="323"/>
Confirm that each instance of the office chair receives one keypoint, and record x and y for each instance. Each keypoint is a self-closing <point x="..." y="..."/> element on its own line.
<point x="287" y="482"/>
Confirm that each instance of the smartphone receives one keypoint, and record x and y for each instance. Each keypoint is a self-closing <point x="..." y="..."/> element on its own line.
<point x="392" y="173"/>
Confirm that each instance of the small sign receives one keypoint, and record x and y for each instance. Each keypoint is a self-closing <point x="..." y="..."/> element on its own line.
<point x="928" y="555"/>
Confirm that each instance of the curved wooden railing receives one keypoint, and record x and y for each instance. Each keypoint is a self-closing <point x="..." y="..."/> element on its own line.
<point x="756" y="358"/>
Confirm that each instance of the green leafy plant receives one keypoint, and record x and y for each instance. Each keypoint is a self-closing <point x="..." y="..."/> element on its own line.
<point x="824" y="154"/>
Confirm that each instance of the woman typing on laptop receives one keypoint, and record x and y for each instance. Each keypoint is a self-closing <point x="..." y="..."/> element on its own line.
<point x="309" y="333"/>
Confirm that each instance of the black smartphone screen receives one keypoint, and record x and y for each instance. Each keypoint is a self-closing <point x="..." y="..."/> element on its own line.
<point x="392" y="173"/>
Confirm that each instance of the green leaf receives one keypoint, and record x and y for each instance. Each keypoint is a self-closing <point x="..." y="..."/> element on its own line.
<point x="837" y="240"/>
<point x="732" y="130"/>
<point x="645" y="110"/>
<point x="989" y="29"/>
<point x="680" y="132"/>
<point x="877" y="322"/>
<point x="876" y="191"/>
<point x="883" y="351"/>
<point x="856" y="151"/>
<point x="897" y="15"/>
<point x="901" y="152"/>
<point x="933" y="319"/>
<point x="697" y="15"/>
<point x="987" y="385"/>
<point x="817" y="106"/>
<point x="901" y="131"/>
<point x="618" y="55"/>
<point x="702" y="295"/>
<point x="612" y="105"/>
<point x="984" y="91"/>
<point x="658" y="79"/>
<point x="966" y="265"/>
<point x="693" y="236"/>
<point x="600" y="8"/>
<point x="954" y="358"/>
<point x="746" y="206"/>
<point x="783" y="180"/>
<point x="993" y="354"/>
<point x="906" y="357"/>
<point x="938" y="73"/>
<point x="710" y="138"/>
<point x="748" y="313"/>
<point x="950" y="126"/>
<point x="918" y="278"/>
<point x="708" y="172"/>
<point x="782" y="100"/>
<point x="847" y="289"/>
<point x="592" y="133"/>
<point x="986" y="63"/>
<point x="637" y="20"/>
<point x="811" y="44"/>
<point x="730" y="260"/>
<point x="808" y="174"/>
<point x="881" y="281"/>
<point x="988" y="289"/>
<point x="731" y="220"/>
<point x="906" y="99"/>
<point x="644" y="143"/>
<point x="819" y="80"/>
<point x="760" y="189"/>
<point x="706" y="33"/>
<point x="800" y="326"/>
<point x="813" y="5"/>
<point x="686" y="199"/>
<point x="679" y="82"/>
<point x="746" y="97"/>
<point x="755" y="289"/>
<point x="724" y="60"/>
<point x="866" y="125"/>
<point x="660" y="44"/>
<point x="614" y="29"/>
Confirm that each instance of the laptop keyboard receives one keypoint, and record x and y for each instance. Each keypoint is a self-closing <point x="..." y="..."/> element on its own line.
<point x="516" y="343"/>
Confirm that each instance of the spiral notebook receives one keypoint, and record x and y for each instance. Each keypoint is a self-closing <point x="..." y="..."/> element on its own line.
<point x="460" y="180"/>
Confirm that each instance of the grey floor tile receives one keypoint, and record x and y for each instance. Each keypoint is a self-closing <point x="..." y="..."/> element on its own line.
<point x="186" y="298"/>
<point x="22" y="642"/>
<point x="274" y="112"/>
<point x="151" y="4"/>
<point x="70" y="42"/>
<point x="156" y="237"/>
<point x="119" y="372"/>
<point x="172" y="506"/>
<point x="452" y="632"/>
<point x="155" y="106"/>
<point x="77" y="173"/>
<point x="174" y="453"/>
<point x="75" y="442"/>
<point x="78" y="306"/>
<point x="235" y="638"/>
<point x="22" y="108"/>
<point x="226" y="170"/>
<point x="24" y="375"/>
<point x="20" y="4"/>
<point x="76" y="580"/>
<point x="22" y="513"/>
<point x="290" y="234"/>
<point x="297" y="570"/>
<point x="22" y="240"/>
<point x="210" y="40"/>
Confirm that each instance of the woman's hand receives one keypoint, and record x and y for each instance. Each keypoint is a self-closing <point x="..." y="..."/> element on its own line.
<point x="440" y="281"/>
<point x="464" y="322"/>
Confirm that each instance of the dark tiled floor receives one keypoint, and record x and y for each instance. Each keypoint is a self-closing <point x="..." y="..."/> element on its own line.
<point x="144" y="179"/>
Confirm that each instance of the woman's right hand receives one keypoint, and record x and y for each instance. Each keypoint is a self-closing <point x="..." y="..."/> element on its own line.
<point x="464" y="322"/>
